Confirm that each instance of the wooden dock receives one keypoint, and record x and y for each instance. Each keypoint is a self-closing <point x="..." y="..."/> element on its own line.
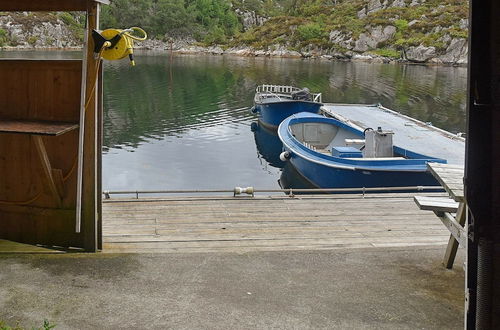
<point x="245" y="224"/>
<point x="409" y="133"/>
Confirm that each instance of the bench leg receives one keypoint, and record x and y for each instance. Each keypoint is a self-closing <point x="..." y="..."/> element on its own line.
<point x="451" y="249"/>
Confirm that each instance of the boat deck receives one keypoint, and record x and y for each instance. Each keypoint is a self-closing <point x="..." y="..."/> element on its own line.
<point x="409" y="133"/>
<point x="271" y="223"/>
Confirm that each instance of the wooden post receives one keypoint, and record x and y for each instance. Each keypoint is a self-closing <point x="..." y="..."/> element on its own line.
<point x="482" y="175"/>
<point x="89" y="151"/>
<point x="100" y="130"/>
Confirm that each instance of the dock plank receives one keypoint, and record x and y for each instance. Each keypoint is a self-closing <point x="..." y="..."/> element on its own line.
<point x="268" y="224"/>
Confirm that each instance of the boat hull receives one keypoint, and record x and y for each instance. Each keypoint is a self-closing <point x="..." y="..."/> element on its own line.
<point x="321" y="176"/>
<point x="273" y="113"/>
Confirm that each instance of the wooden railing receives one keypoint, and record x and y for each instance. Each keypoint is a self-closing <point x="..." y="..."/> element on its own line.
<point x="281" y="90"/>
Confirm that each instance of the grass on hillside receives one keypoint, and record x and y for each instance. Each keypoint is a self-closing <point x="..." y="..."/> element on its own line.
<point x="311" y="24"/>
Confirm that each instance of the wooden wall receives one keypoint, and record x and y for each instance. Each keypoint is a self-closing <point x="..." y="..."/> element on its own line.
<point x="39" y="90"/>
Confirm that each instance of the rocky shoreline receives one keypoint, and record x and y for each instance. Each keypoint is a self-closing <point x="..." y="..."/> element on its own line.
<point x="377" y="41"/>
<point x="415" y="56"/>
<point x="183" y="47"/>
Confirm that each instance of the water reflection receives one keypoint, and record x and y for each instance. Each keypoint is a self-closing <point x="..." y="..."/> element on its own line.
<point x="291" y="178"/>
<point x="268" y="144"/>
<point x="184" y="121"/>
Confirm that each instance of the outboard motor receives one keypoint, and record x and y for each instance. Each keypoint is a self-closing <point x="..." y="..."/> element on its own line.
<point x="303" y="95"/>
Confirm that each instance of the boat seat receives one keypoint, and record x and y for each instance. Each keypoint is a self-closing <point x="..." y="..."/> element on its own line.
<point x="324" y="151"/>
<point x="346" y="152"/>
<point x="379" y="158"/>
<point x="351" y="142"/>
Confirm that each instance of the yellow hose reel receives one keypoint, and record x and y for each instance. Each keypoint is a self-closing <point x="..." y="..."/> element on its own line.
<point x="115" y="44"/>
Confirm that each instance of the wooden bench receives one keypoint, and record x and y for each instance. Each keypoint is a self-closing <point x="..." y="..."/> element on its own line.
<point x="436" y="204"/>
<point x="452" y="214"/>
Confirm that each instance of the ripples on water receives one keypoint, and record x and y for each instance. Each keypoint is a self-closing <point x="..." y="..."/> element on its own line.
<point x="185" y="123"/>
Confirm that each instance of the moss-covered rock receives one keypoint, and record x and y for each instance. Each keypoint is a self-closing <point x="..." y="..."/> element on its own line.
<point x="413" y="30"/>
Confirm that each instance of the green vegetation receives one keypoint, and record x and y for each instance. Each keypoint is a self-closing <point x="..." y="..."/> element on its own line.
<point x="299" y="23"/>
<point x="32" y="40"/>
<point x="310" y="31"/>
<point x="4" y="37"/>
<point x="46" y="326"/>
<point x="292" y="24"/>
<point x="210" y="21"/>
<point x="387" y="52"/>
<point x="75" y="22"/>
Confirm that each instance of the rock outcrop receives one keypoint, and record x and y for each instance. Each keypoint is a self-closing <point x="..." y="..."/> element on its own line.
<point x="42" y="32"/>
<point x="420" y="54"/>
<point x="374" y="37"/>
<point x="250" y="19"/>
<point x="456" y="53"/>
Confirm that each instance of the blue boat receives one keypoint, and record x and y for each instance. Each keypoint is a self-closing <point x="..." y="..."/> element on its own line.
<point x="332" y="154"/>
<point x="274" y="103"/>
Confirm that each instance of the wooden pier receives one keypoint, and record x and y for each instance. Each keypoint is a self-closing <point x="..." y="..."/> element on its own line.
<point x="271" y="223"/>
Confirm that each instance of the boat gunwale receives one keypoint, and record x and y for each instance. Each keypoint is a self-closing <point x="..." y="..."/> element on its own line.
<point x="298" y="149"/>
<point x="288" y="101"/>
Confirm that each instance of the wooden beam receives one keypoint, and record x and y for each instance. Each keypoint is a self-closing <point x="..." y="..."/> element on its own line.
<point x="457" y="231"/>
<point x="451" y="249"/>
<point x="86" y="209"/>
<point x="46" y="5"/>
<point x="100" y="140"/>
<point x="47" y="169"/>
<point x="36" y="127"/>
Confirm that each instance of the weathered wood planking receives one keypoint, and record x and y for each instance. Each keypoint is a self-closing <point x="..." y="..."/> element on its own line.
<point x="33" y="91"/>
<point x="436" y="204"/>
<point x="29" y="91"/>
<point x="451" y="178"/>
<point x="88" y="223"/>
<point x="36" y="127"/>
<point x="265" y="224"/>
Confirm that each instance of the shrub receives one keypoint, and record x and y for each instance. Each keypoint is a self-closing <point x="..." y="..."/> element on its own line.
<point x="32" y="40"/>
<point x="407" y="42"/>
<point x="310" y="31"/>
<point x="4" y="37"/>
<point x="67" y="18"/>
<point x="387" y="52"/>
<point x="215" y="35"/>
<point x="401" y="24"/>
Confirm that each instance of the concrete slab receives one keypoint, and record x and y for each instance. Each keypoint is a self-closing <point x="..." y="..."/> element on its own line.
<point x="338" y="289"/>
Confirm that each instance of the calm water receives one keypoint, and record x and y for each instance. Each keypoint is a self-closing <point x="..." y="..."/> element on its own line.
<point x="184" y="123"/>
